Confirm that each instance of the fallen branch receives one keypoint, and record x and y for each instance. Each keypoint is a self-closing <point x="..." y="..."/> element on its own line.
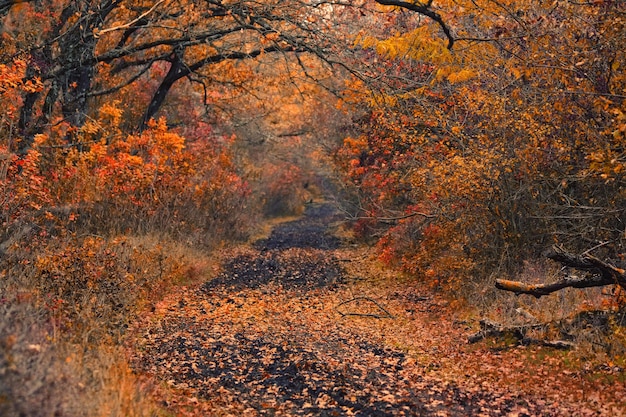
<point x="490" y="328"/>
<point x="599" y="273"/>
<point x="387" y="314"/>
<point x="610" y="273"/>
<point x="392" y="220"/>
<point x="556" y="344"/>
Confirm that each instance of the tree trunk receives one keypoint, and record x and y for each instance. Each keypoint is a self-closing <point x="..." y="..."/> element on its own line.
<point x="175" y="73"/>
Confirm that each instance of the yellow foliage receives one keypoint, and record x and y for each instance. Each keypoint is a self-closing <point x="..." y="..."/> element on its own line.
<point x="416" y="45"/>
<point x="461" y="76"/>
<point x="111" y="114"/>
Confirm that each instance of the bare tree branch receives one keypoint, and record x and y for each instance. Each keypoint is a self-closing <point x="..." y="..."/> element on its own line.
<point x="423" y="9"/>
<point x="131" y="23"/>
<point x="599" y="273"/>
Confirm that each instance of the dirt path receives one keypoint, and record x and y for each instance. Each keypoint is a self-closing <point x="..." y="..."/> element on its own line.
<point x="305" y="324"/>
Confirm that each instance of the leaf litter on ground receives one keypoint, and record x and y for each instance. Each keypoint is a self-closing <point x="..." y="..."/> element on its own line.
<point x="265" y="338"/>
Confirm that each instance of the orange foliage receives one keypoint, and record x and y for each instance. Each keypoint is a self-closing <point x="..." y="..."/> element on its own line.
<point x="505" y="145"/>
<point x="149" y="181"/>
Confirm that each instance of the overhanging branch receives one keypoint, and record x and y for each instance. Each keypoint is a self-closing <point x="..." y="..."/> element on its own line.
<point x="539" y="290"/>
<point x="423" y="9"/>
<point x="599" y="273"/>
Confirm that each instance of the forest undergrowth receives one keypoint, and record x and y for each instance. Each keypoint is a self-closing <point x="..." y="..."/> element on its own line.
<point x="65" y="306"/>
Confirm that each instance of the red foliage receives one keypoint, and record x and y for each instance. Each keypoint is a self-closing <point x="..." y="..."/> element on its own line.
<point x="155" y="180"/>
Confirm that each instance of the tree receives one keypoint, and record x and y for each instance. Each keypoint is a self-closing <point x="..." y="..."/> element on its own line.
<point x="85" y="49"/>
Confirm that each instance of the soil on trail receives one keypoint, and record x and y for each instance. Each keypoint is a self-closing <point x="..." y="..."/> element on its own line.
<point x="288" y="328"/>
<point x="312" y="231"/>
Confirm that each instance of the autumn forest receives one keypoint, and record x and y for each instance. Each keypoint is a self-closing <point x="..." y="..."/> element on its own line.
<point x="308" y="207"/>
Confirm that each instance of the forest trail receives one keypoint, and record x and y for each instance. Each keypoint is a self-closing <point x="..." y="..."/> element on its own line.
<point x="305" y="323"/>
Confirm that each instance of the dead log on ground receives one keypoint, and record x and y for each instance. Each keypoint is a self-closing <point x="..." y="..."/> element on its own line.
<point x="490" y="328"/>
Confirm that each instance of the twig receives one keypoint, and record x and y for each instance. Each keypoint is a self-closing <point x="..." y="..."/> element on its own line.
<point x="132" y="22"/>
<point x="588" y="251"/>
<point x="376" y="316"/>
<point x="393" y="219"/>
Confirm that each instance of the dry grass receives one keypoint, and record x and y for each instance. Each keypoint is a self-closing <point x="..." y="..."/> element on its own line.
<point x="42" y="374"/>
<point x="65" y="303"/>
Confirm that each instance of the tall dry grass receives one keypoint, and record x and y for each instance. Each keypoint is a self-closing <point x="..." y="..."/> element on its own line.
<point x="65" y="304"/>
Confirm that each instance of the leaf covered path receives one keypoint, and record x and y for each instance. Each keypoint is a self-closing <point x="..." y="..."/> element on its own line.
<point x="290" y="327"/>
